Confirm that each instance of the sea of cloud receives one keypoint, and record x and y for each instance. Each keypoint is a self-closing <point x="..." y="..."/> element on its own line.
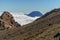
<point x="21" y="18"/>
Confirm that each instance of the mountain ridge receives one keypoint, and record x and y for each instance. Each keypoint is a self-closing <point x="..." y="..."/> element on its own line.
<point x="45" y="28"/>
<point x="49" y="22"/>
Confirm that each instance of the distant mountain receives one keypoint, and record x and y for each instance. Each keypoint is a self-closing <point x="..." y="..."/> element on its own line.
<point x="35" y="14"/>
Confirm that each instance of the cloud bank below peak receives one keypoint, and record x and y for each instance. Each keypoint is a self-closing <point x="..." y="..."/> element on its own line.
<point x="23" y="19"/>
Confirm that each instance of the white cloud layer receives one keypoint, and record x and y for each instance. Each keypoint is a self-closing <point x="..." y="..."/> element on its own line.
<point x="23" y="19"/>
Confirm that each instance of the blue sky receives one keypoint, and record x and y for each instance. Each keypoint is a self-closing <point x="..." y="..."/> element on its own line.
<point x="28" y="6"/>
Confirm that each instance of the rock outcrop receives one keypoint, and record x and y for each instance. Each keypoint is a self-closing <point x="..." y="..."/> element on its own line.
<point x="7" y="21"/>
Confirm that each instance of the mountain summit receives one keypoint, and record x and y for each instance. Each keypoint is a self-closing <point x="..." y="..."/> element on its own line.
<point x="35" y="14"/>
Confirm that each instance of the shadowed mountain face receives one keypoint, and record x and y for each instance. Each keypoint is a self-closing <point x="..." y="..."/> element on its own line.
<point x="35" y="14"/>
<point x="45" y="28"/>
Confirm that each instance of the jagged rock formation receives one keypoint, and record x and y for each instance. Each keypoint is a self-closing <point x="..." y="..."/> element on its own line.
<point x="7" y="20"/>
<point x="8" y="26"/>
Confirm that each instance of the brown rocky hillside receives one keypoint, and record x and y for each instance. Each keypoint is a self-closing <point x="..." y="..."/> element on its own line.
<point x="45" y="28"/>
<point x="7" y="25"/>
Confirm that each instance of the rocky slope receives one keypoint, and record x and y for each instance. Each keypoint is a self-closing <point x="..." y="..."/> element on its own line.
<point x="45" y="28"/>
<point x="7" y="24"/>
